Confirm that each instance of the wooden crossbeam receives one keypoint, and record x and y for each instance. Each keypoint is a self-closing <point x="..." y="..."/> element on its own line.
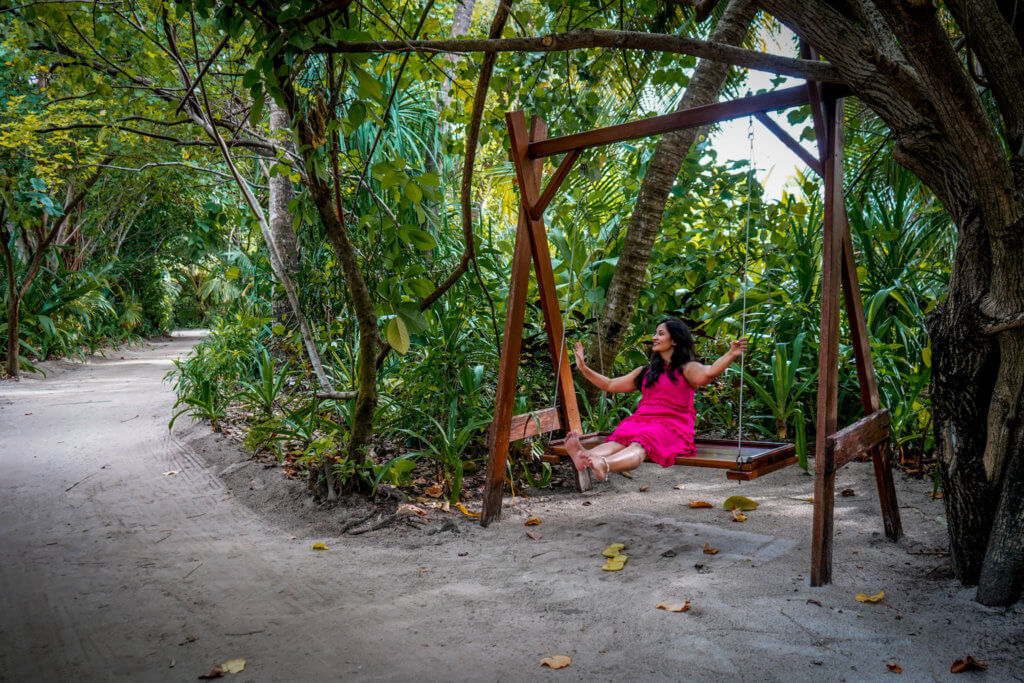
<point x="858" y="438"/>
<point x="531" y="424"/>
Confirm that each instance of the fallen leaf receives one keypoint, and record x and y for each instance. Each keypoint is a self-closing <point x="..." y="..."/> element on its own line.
<point x="846" y="493"/>
<point x="408" y="507"/>
<point x="613" y="549"/>
<point x="172" y="472"/>
<point x="644" y="488"/>
<point x="556" y="662"/>
<point x="627" y="475"/>
<point x="463" y="510"/>
<point x="535" y="535"/>
<point x="969" y="664"/>
<point x="674" y="606"/>
<point x="434" y="491"/>
<point x="741" y="502"/>
<point x="446" y="506"/>
<point x="936" y="495"/>
<point x="232" y="666"/>
<point x="708" y="550"/>
<point x="700" y="504"/>
<point x="895" y="668"/>
<point x="614" y="564"/>
<point x="864" y="597"/>
<point x="738" y="516"/>
<point x="679" y="487"/>
<point x="532" y="521"/>
<point x="319" y="546"/>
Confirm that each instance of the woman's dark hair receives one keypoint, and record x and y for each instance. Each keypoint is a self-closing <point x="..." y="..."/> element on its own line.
<point x="682" y="353"/>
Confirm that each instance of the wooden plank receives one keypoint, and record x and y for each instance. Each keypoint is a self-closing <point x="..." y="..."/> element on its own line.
<point x="828" y="358"/>
<point x="745" y="475"/>
<point x="537" y="211"/>
<point x="508" y="369"/>
<point x="687" y="118"/>
<point x="532" y="424"/>
<point x="715" y="453"/>
<point x="861" y="436"/>
<point x="787" y="139"/>
<point x="528" y="178"/>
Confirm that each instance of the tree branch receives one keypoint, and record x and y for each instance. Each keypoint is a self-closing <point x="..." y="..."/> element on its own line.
<point x="590" y="38"/>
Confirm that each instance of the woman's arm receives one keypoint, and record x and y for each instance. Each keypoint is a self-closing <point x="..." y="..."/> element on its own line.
<point x="617" y="385"/>
<point x="698" y="374"/>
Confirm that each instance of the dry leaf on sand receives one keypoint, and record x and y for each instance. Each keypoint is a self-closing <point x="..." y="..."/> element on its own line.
<point x="232" y="666"/>
<point x="320" y="546"/>
<point x="699" y="504"/>
<point x="532" y="521"/>
<point x="895" y="668"/>
<point x="708" y="550"/>
<point x="738" y="516"/>
<point x="679" y="487"/>
<point x="463" y="510"/>
<point x="613" y="549"/>
<point x="968" y="664"/>
<point x="434" y="491"/>
<point x="556" y="662"/>
<point x="614" y="564"/>
<point x="674" y="606"/>
<point x="644" y="488"/>
<point x="535" y="535"/>
<point x="864" y="597"/>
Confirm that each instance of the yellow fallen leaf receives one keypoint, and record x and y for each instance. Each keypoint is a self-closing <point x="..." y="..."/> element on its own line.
<point x="463" y="510"/>
<point x="233" y="666"/>
<point x="319" y="546"/>
<point x="738" y="516"/>
<point x="864" y="597"/>
<point x="556" y="662"/>
<point x="613" y="549"/>
<point x="674" y="606"/>
<point x="741" y="502"/>
<point x="614" y="564"/>
<point x="700" y="504"/>
<point x="708" y="550"/>
<point x="532" y="521"/>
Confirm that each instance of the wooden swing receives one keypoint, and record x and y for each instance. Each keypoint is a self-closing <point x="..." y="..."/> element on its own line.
<point x="743" y="460"/>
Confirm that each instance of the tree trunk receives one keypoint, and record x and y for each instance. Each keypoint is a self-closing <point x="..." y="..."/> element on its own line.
<point x="661" y="175"/>
<point x="13" y="306"/>
<point x="281" y="229"/>
<point x="460" y="27"/>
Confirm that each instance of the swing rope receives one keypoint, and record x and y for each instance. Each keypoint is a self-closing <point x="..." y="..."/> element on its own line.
<point x="746" y="281"/>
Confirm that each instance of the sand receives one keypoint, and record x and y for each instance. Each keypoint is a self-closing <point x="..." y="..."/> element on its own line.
<point x="116" y="569"/>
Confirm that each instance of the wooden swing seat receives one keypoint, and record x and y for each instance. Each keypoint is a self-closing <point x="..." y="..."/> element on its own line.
<point x="756" y="458"/>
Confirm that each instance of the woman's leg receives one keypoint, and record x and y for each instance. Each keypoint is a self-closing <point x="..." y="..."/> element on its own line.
<point x="624" y="459"/>
<point x="581" y="457"/>
<point x="610" y="456"/>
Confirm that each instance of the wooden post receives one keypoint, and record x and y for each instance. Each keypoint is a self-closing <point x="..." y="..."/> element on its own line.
<point x="828" y="358"/>
<point x="868" y="385"/>
<point x="528" y="176"/>
<point x="508" y="369"/>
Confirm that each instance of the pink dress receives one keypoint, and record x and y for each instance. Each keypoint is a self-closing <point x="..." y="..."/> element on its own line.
<point x="662" y="422"/>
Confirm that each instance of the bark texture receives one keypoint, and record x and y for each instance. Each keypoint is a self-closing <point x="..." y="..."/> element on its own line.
<point x="661" y="175"/>
<point x="898" y="59"/>
<point x="281" y="229"/>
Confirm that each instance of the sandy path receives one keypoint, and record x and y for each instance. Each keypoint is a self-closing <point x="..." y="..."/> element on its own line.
<point x="113" y="571"/>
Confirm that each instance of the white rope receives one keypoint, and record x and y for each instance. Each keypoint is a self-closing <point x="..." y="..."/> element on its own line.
<point x="746" y="281"/>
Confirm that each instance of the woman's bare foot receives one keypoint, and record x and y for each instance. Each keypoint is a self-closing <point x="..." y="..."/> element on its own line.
<point x="580" y="457"/>
<point x="600" y="467"/>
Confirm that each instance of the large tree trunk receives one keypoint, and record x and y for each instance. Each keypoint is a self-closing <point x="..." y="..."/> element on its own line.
<point x="661" y="175"/>
<point x="898" y="59"/>
<point x="281" y="229"/>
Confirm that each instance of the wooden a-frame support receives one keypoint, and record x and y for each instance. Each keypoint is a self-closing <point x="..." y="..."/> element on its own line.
<point x="833" y="447"/>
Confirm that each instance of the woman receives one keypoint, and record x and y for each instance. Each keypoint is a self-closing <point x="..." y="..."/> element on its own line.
<point x="662" y="426"/>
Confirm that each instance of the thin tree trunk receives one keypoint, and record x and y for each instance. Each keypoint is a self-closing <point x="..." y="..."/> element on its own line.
<point x="281" y="229"/>
<point x="460" y="26"/>
<point x="661" y="175"/>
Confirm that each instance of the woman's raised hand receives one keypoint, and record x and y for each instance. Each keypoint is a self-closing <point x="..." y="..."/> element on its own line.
<point x="738" y="347"/>
<point x="578" y="351"/>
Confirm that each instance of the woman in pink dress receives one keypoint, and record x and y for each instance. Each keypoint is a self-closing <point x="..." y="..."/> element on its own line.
<point x="662" y="426"/>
